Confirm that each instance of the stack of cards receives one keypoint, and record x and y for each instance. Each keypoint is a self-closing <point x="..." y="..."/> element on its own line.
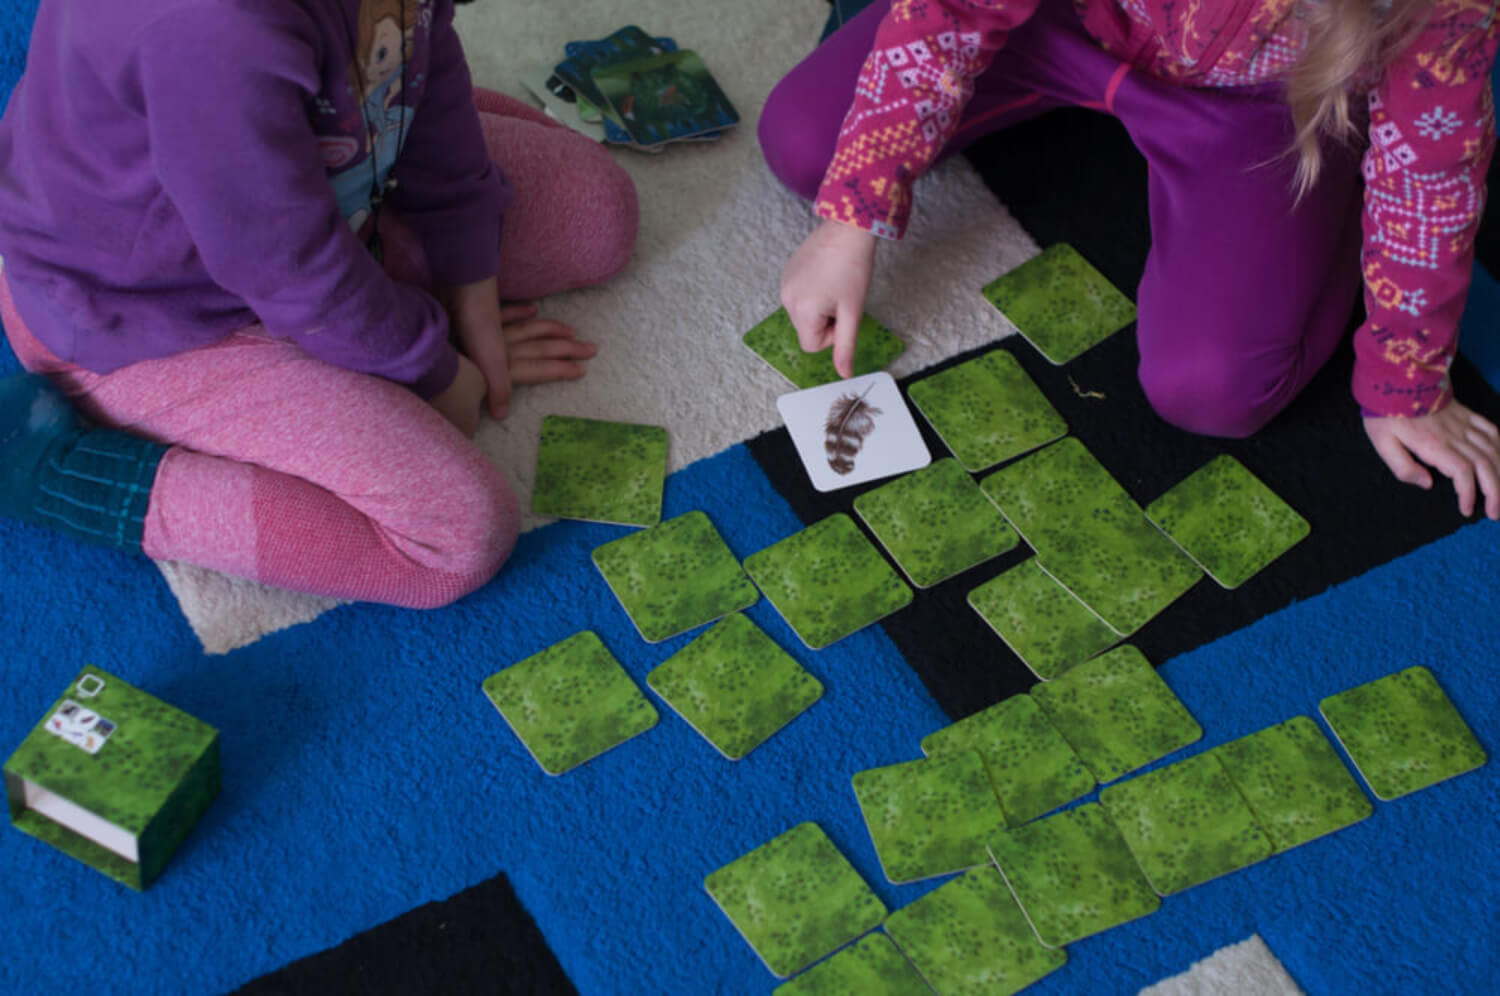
<point x="1177" y="827"/>
<point x="633" y="89"/>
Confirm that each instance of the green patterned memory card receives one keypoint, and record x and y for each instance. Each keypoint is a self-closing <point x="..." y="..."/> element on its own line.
<point x="828" y="581"/>
<point x="871" y="966"/>
<point x="1060" y="303"/>
<point x="675" y="576"/>
<point x="1230" y="523"/>
<point x="735" y="686"/>
<point x="1032" y="767"/>
<point x="969" y="938"/>
<point x="570" y="703"/>
<point x="1118" y="713"/>
<point x="929" y="817"/>
<point x="1040" y="620"/>
<point x="1073" y="875"/>
<point x="600" y="471"/>
<point x="775" y="341"/>
<point x="1090" y="536"/>
<point x="1295" y="783"/>
<point x="795" y="899"/>
<point x="1186" y="823"/>
<point x="935" y="522"/>
<point x="987" y="410"/>
<point x="1402" y="733"/>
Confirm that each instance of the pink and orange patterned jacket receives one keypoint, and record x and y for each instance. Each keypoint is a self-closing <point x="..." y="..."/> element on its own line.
<point x="1432" y="134"/>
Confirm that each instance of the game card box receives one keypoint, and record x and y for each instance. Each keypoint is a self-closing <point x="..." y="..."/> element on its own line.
<point x="113" y="777"/>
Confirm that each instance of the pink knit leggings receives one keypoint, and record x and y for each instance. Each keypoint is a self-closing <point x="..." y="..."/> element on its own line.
<point x="306" y="476"/>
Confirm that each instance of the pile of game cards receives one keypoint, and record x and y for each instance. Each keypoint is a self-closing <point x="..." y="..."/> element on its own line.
<point x="633" y="89"/>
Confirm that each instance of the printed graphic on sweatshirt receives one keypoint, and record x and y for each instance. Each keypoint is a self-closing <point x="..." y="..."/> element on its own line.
<point x="378" y="76"/>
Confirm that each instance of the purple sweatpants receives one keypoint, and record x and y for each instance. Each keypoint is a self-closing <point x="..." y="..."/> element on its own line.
<point x="1245" y="295"/>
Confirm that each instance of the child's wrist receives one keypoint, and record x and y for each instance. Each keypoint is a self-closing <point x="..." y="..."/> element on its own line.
<point x="471" y="303"/>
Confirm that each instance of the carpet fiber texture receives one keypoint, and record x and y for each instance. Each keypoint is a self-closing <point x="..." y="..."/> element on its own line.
<point x="381" y="830"/>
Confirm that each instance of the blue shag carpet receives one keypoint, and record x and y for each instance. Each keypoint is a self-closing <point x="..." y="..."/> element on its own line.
<point x="365" y="774"/>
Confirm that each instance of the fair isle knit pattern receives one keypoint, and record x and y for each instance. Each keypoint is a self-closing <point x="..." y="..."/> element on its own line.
<point x="1181" y="36"/>
<point x="1432" y="135"/>
<point x="911" y="92"/>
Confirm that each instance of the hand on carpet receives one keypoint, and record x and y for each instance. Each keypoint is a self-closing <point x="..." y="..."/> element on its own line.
<point x="823" y="289"/>
<point x="1460" y="444"/>
<point x="509" y="343"/>
<point x="539" y="350"/>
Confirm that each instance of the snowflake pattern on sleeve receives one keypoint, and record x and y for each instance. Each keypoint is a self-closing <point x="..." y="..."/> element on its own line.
<point x="1432" y="135"/>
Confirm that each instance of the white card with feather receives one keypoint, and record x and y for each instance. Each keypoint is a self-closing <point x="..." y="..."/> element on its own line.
<point x="853" y="431"/>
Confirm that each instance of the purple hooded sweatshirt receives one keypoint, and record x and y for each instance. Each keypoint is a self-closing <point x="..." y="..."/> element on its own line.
<point x="174" y="170"/>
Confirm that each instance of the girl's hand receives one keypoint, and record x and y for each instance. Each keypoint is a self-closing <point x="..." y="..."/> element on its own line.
<point x="509" y="343"/>
<point x="1461" y="445"/>
<point x="475" y="319"/>
<point x="823" y="289"/>
<point x="539" y="350"/>
<point x="460" y="402"/>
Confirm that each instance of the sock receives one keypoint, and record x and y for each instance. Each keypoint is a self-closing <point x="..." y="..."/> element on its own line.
<point x="58" y="472"/>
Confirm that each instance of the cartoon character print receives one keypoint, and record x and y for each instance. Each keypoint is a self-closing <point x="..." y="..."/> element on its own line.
<point x="386" y="33"/>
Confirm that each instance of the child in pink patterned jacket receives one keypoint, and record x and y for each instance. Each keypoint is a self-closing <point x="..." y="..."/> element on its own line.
<point x="1255" y="253"/>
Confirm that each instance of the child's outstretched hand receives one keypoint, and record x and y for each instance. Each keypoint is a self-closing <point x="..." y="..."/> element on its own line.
<point x="509" y="343"/>
<point x="823" y="289"/>
<point x="1462" y="445"/>
<point x="539" y="350"/>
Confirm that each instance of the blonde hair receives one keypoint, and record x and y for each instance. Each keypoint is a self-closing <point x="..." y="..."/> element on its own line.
<point x="1346" y="39"/>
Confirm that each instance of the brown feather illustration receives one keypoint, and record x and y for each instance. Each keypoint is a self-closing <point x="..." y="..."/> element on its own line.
<point x="850" y="420"/>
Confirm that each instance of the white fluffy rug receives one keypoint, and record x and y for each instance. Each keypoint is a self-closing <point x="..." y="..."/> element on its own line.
<point x="1244" y="969"/>
<point x="715" y="231"/>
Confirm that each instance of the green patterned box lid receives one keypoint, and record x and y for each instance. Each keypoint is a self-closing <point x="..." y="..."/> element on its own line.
<point x="139" y="754"/>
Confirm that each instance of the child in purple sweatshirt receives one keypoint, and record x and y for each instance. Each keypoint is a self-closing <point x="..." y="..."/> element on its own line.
<point x="259" y="246"/>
